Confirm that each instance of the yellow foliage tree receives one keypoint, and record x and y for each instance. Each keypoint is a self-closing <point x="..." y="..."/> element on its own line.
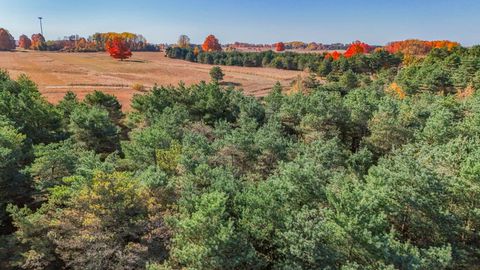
<point x="167" y="159"/>
<point x="395" y="89"/>
<point x="196" y="51"/>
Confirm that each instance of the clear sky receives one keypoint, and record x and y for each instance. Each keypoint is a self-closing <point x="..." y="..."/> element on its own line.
<point x="254" y="21"/>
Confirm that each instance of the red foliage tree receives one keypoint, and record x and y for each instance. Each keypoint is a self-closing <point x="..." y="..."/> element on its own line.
<point x="411" y="47"/>
<point x="418" y="47"/>
<point x="443" y="44"/>
<point x="38" y="42"/>
<point x="211" y="44"/>
<point x="82" y="43"/>
<point x="280" y="47"/>
<point x="118" y="48"/>
<point x="357" y="47"/>
<point x="24" y="42"/>
<point x="334" y="55"/>
<point x="7" y="42"/>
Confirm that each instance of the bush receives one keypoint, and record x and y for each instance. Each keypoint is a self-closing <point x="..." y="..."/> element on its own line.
<point x="139" y="87"/>
<point x="216" y="74"/>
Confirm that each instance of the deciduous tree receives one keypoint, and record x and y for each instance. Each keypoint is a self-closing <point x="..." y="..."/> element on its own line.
<point x="196" y="51"/>
<point x="134" y="41"/>
<point x="24" y="42"/>
<point x="357" y="47"/>
<point x="118" y="48"/>
<point x="211" y="44"/>
<point x="334" y="55"/>
<point x="7" y="42"/>
<point x="183" y="41"/>
<point x="38" y="42"/>
<point x="107" y="225"/>
<point x="280" y="47"/>
<point x="419" y="47"/>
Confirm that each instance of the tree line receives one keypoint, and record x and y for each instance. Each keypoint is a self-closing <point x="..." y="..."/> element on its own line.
<point x="381" y="173"/>
<point x="320" y="63"/>
<point x="74" y="43"/>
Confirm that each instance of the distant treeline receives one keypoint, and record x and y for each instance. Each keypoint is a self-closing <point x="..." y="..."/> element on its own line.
<point x="293" y="45"/>
<point x="290" y="60"/>
<point x="94" y="43"/>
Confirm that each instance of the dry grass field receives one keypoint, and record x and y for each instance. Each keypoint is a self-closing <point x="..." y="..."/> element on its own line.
<point x="57" y="73"/>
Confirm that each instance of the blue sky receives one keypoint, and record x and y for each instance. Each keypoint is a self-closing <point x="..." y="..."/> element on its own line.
<point x="255" y="21"/>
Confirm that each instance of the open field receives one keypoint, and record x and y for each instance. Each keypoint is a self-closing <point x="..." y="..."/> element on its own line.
<point x="56" y="73"/>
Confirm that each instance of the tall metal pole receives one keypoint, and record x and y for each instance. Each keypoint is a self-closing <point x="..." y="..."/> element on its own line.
<point x="41" y="26"/>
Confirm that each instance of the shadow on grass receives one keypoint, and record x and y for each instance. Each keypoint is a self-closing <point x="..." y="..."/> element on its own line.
<point x="135" y="61"/>
<point x="230" y="84"/>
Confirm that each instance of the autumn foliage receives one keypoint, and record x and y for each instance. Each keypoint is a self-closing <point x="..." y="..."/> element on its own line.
<point x="38" y="42"/>
<point x="419" y="47"/>
<point x="357" y="47"/>
<point x="196" y="51"/>
<point x="280" y="47"/>
<point x="7" y="42"/>
<point x="118" y="48"/>
<point x="211" y="44"/>
<point x="334" y="55"/>
<point x="134" y="41"/>
<point x="443" y="44"/>
<point x="24" y="42"/>
<point x="396" y="90"/>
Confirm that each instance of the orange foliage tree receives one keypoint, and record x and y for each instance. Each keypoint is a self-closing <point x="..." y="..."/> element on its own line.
<point x="443" y="44"/>
<point x="134" y="41"/>
<point x="211" y="44"/>
<point x="419" y="47"/>
<point x="7" y="42"/>
<point x="118" y="48"/>
<point x="297" y="45"/>
<point x="38" y="42"/>
<point x="312" y="46"/>
<point x="334" y="55"/>
<point x="196" y="51"/>
<point x="280" y="47"/>
<point x="82" y="43"/>
<point x="395" y="89"/>
<point x="24" y="42"/>
<point x="357" y="47"/>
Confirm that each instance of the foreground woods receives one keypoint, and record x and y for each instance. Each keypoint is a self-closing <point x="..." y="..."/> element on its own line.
<point x="372" y="170"/>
